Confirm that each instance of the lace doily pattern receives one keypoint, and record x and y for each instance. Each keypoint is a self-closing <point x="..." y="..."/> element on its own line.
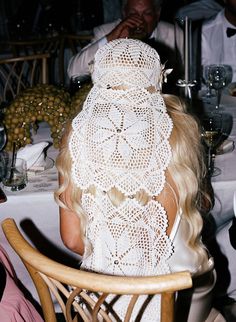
<point x="127" y="62"/>
<point x="121" y="140"/>
<point x="135" y="242"/>
<point x="123" y="144"/>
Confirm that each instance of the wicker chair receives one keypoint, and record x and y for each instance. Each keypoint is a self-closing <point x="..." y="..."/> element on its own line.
<point x="20" y="72"/>
<point x="55" y="46"/>
<point x="52" y="280"/>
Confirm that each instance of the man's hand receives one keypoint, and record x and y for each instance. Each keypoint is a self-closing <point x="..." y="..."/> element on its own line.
<point x="127" y="28"/>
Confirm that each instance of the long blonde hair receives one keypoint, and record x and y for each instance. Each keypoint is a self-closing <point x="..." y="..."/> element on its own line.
<point x="186" y="168"/>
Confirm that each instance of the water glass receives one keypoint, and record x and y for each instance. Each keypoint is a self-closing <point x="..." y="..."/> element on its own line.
<point x="15" y="174"/>
<point x="77" y="82"/>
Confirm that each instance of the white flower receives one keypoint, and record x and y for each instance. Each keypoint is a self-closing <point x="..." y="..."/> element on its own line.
<point x="164" y="74"/>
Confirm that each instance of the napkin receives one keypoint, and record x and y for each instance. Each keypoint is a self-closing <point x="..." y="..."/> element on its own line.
<point x="34" y="155"/>
<point x="226" y="146"/>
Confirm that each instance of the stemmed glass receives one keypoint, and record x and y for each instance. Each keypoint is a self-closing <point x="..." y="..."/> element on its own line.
<point x="219" y="76"/>
<point x="206" y="81"/>
<point x="212" y="134"/>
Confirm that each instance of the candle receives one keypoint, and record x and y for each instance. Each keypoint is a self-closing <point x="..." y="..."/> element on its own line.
<point x="187" y="54"/>
<point x="190" y="56"/>
<point x="186" y="50"/>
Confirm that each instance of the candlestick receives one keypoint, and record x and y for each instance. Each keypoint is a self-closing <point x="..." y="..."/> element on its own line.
<point x="186" y="50"/>
<point x="187" y="83"/>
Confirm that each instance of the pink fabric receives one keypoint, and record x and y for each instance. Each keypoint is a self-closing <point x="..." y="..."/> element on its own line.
<point x="14" y="307"/>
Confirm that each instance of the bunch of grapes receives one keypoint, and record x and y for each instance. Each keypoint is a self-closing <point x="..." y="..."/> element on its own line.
<point x="79" y="97"/>
<point x="41" y="103"/>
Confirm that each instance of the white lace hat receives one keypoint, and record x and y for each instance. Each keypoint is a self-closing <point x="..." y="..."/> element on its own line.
<point x="121" y="137"/>
<point x="127" y="62"/>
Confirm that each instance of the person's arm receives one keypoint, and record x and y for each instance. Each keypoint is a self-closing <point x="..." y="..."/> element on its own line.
<point x="69" y="220"/>
<point x="79" y="64"/>
<point x="70" y="224"/>
<point x="126" y="28"/>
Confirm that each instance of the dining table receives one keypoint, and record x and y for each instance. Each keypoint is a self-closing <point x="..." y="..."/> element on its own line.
<point x="37" y="214"/>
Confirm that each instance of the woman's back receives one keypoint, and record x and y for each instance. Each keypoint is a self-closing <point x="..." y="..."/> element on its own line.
<point x="132" y="177"/>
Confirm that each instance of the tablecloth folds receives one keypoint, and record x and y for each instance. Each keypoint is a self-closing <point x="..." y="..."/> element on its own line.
<point x="225" y="147"/>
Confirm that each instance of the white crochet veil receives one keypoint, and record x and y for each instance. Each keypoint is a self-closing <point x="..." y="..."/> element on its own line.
<point x="121" y="140"/>
<point x="121" y="137"/>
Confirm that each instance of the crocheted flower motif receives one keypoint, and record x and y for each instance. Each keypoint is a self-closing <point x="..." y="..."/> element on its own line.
<point x="121" y="144"/>
<point x="122" y="133"/>
<point x="127" y="240"/>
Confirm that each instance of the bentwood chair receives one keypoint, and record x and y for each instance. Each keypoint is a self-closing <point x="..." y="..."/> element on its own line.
<point x="52" y="280"/>
<point x="18" y="73"/>
<point x="43" y="45"/>
<point x="58" y="47"/>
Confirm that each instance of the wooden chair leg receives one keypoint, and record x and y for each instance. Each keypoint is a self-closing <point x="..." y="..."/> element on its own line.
<point x="167" y="307"/>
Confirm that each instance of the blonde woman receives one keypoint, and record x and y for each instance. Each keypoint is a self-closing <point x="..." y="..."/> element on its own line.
<point x="131" y="172"/>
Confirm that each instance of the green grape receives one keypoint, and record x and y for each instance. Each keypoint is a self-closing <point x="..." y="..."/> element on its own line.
<point x="41" y="103"/>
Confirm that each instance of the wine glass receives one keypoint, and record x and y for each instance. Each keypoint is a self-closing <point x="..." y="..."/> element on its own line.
<point x="229" y="74"/>
<point x="219" y="76"/>
<point x="211" y="135"/>
<point x="206" y="81"/>
<point x="77" y="82"/>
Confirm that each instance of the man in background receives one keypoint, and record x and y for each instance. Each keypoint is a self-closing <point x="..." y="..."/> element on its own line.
<point x="140" y="20"/>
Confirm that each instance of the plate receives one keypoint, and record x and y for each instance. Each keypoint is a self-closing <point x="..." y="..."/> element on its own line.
<point x="226" y="147"/>
<point x="48" y="164"/>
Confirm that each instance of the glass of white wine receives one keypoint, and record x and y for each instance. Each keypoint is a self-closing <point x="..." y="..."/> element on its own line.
<point x="211" y="135"/>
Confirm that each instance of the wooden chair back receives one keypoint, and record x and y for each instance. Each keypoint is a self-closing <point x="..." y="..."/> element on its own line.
<point x="60" y="48"/>
<point x="70" y="286"/>
<point x="19" y="73"/>
<point x="34" y="46"/>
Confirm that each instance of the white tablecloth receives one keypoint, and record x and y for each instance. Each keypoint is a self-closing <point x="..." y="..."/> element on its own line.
<point x="36" y="213"/>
